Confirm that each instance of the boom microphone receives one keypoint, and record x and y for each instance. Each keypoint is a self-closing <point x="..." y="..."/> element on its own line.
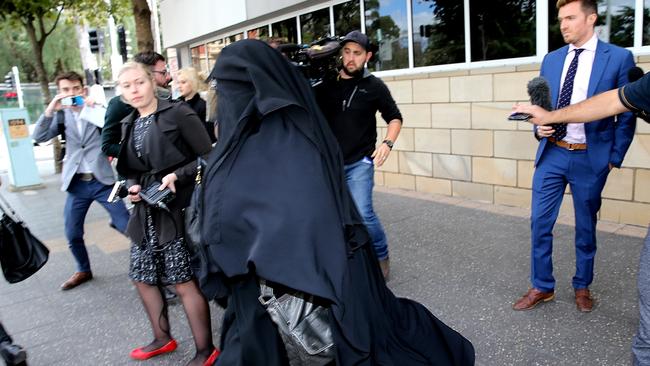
<point x="634" y="73"/>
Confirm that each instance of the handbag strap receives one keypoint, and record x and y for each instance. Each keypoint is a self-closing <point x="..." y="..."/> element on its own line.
<point x="199" y="167"/>
<point x="4" y="206"/>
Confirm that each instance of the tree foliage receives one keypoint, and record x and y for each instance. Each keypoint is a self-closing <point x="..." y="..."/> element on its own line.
<point x="40" y="18"/>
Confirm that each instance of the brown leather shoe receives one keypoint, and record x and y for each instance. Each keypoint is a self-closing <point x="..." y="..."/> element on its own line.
<point x="76" y="279"/>
<point x="384" y="264"/>
<point x="532" y="298"/>
<point x="584" y="301"/>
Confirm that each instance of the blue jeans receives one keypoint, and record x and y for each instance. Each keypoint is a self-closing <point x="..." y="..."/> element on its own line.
<point x="360" y="177"/>
<point x="80" y="195"/>
<point x="641" y="342"/>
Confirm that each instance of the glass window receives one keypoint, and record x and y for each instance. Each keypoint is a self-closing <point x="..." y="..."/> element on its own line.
<point x="616" y="22"/>
<point x="285" y="30"/>
<point x="234" y="38"/>
<point x="646" y="22"/>
<point x="347" y="17"/>
<point x="261" y="33"/>
<point x="438" y="32"/>
<point x="502" y="29"/>
<point x="555" y="39"/>
<point x="315" y="25"/>
<point x="199" y="58"/>
<point x="214" y="49"/>
<point x="387" y="28"/>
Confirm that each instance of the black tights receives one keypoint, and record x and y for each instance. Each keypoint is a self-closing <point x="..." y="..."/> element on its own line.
<point x="196" y="309"/>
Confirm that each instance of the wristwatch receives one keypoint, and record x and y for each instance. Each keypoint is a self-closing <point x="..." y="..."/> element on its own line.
<point x="389" y="143"/>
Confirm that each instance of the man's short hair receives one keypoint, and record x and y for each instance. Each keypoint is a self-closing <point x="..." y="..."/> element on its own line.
<point x="69" y="75"/>
<point x="588" y="6"/>
<point x="148" y="58"/>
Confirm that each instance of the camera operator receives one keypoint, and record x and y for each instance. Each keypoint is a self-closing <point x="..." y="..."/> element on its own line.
<point x="633" y="97"/>
<point x="349" y="102"/>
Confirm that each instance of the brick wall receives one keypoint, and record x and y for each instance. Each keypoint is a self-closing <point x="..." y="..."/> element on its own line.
<point x="456" y="141"/>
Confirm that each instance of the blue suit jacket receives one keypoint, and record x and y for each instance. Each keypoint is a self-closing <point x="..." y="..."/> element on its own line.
<point x="609" y="138"/>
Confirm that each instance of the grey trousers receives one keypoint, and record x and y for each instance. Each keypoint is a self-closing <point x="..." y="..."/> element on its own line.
<point x="641" y="342"/>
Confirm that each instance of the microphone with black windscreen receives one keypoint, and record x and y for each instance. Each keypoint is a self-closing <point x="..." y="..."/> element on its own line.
<point x="540" y="95"/>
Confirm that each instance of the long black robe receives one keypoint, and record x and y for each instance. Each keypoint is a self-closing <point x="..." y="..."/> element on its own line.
<point x="277" y="206"/>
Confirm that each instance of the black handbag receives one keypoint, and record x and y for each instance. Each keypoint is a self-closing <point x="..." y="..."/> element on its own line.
<point x="193" y="211"/>
<point x="21" y="253"/>
<point x="205" y="270"/>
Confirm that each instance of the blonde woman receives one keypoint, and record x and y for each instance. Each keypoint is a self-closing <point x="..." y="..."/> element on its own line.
<point x="189" y="85"/>
<point x="161" y="141"/>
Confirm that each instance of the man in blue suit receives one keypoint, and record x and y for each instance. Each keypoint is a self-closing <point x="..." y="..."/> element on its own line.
<point x="578" y="154"/>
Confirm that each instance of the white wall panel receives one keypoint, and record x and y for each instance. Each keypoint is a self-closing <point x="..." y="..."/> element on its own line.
<point x="184" y="20"/>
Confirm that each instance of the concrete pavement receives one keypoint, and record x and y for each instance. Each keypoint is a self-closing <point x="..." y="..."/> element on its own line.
<point x="466" y="261"/>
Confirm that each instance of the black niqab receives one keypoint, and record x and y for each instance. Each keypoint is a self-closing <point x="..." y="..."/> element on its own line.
<point x="277" y="206"/>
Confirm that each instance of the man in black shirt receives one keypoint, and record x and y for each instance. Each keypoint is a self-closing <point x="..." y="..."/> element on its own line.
<point x="349" y="103"/>
<point x="633" y="97"/>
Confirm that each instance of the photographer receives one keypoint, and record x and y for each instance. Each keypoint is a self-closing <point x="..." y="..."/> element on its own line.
<point x="87" y="175"/>
<point x="633" y="97"/>
<point x="349" y="103"/>
<point x="161" y="143"/>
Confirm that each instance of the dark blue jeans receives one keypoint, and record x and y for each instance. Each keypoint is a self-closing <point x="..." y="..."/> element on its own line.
<point x="360" y="177"/>
<point x="81" y="195"/>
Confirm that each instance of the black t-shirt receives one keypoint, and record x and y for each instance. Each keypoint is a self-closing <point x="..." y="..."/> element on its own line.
<point x="350" y="105"/>
<point x="636" y="96"/>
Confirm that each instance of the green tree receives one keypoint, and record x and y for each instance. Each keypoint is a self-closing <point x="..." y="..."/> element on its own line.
<point x="33" y="16"/>
<point x="40" y="18"/>
<point x="60" y="52"/>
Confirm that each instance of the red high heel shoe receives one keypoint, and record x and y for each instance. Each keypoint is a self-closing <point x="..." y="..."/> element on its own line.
<point x="140" y="354"/>
<point x="213" y="358"/>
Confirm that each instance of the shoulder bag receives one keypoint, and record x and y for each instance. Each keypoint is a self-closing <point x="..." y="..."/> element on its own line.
<point x="21" y="253"/>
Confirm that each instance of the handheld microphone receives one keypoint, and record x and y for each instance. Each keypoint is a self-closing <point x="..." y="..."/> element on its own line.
<point x="634" y="73"/>
<point x="540" y="95"/>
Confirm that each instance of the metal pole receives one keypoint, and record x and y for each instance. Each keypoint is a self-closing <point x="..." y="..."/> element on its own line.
<point x="19" y="89"/>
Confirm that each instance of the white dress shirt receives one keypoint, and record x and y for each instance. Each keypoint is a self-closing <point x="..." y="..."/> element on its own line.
<point x="575" y="133"/>
<point x="84" y="166"/>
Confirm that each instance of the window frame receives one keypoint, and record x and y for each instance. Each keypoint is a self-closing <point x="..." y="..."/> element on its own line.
<point x="541" y="37"/>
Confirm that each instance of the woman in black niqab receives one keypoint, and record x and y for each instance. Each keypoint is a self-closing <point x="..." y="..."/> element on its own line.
<point x="277" y="208"/>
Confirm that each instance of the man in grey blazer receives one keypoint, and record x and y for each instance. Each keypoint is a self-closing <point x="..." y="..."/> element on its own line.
<point x="87" y="175"/>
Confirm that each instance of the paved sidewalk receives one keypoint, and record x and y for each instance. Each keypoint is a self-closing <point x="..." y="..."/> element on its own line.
<point x="466" y="261"/>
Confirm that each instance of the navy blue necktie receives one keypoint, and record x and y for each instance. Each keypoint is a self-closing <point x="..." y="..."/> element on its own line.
<point x="565" y="94"/>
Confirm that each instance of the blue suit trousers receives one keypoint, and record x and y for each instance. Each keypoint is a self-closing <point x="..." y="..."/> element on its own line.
<point x="557" y="168"/>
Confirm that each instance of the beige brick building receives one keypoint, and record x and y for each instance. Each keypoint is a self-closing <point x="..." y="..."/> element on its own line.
<point x="457" y="141"/>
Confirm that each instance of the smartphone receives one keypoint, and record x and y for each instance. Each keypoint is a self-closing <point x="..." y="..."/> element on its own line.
<point x="77" y="100"/>
<point x="519" y="117"/>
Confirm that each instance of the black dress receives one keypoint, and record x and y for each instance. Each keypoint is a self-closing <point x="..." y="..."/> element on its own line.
<point x="153" y="262"/>
<point x="277" y="207"/>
